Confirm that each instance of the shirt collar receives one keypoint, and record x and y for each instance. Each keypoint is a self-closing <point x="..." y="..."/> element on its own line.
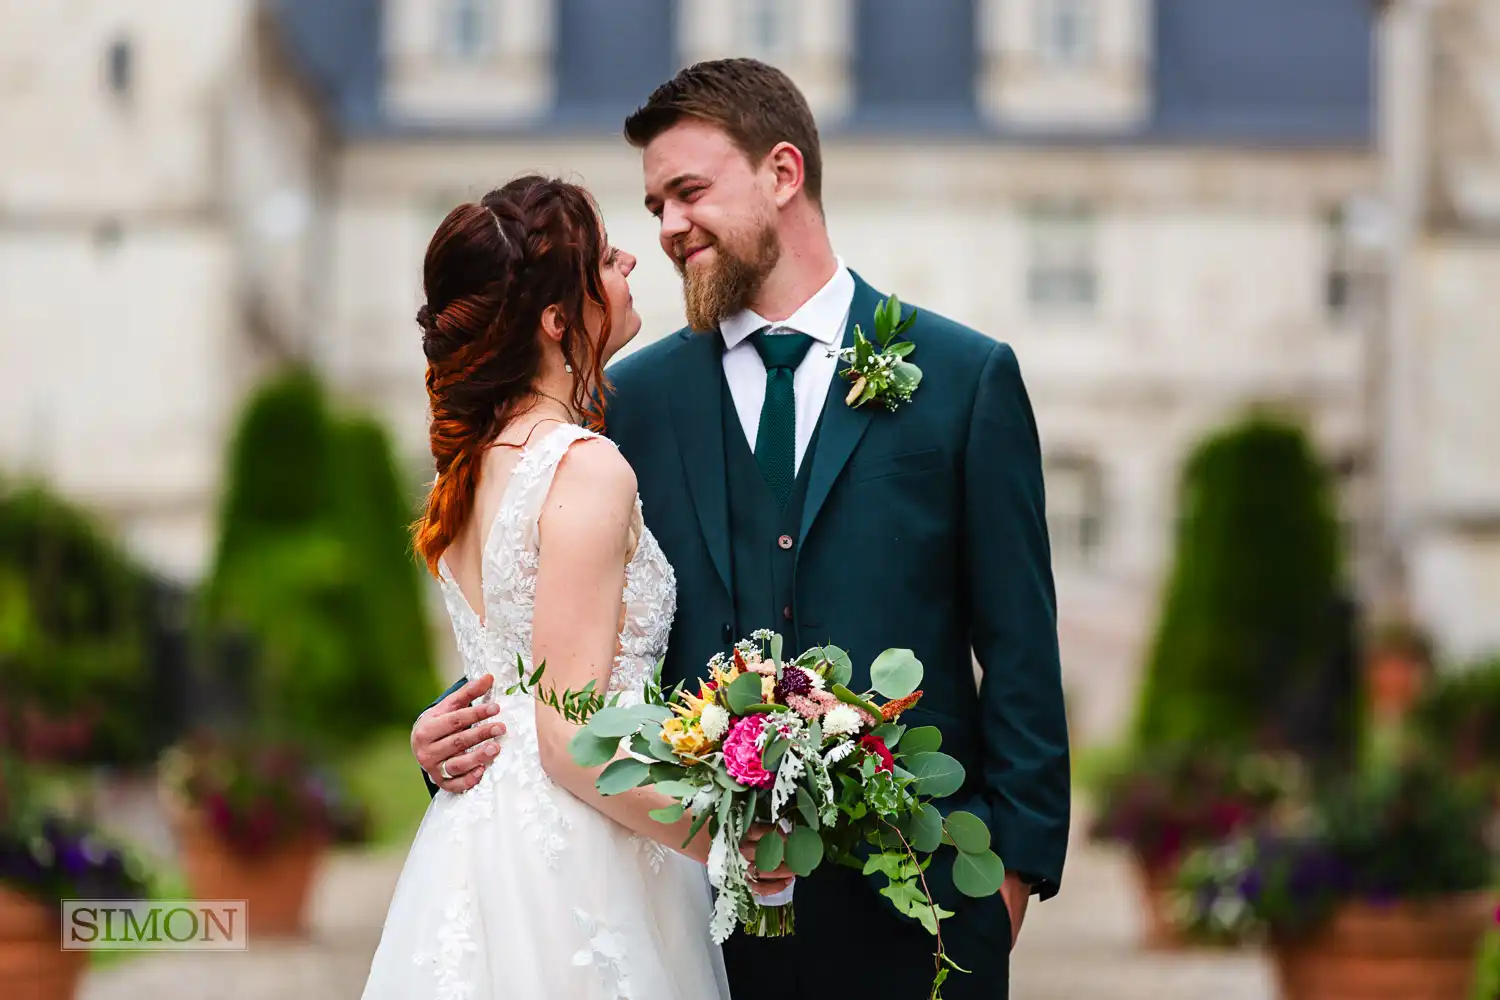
<point x="821" y="317"/>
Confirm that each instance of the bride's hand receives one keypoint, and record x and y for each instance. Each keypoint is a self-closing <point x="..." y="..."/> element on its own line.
<point x="764" y="883"/>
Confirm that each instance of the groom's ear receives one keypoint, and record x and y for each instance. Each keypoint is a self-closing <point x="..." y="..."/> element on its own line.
<point x="789" y="170"/>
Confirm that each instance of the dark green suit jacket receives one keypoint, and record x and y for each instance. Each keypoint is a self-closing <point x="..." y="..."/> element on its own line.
<point x="924" y="529"/>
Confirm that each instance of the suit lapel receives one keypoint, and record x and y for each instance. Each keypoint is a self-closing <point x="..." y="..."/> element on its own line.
<point x="842" y="425"/>
<point x="698" y="411"/>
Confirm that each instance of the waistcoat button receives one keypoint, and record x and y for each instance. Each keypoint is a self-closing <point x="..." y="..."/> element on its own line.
<point x="785" y="541"/>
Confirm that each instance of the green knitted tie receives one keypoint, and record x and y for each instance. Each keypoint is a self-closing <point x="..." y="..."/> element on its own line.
<point x="776" y="440"/>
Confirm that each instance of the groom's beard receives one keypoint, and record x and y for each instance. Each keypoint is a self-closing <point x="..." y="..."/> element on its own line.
<point x="716" y="291"/>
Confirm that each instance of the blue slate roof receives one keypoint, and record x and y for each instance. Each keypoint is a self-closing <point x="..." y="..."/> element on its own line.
<point x="1244" y="69"/>
<point x="1261" y="72"/>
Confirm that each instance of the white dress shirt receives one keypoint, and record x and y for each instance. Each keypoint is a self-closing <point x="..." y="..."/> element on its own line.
<point x="822" y="318"/>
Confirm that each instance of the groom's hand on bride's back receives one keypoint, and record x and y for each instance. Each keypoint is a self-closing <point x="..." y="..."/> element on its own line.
<point x="456" y="733"/>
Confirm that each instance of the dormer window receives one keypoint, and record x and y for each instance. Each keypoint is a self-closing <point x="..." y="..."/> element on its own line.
<point x="467" y="31"/>
<point x="1067" y="31"/>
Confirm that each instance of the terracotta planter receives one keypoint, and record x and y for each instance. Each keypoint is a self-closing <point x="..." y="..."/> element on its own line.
<point x="276" y="885"/>
<point x="33" y="965"/>
<point x="1404" y="951"/>
<point x="1156" y="882"/>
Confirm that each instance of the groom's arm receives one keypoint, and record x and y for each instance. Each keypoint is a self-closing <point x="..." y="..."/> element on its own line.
<point x="454" y="731"/>
<point x="1013" y="615"/>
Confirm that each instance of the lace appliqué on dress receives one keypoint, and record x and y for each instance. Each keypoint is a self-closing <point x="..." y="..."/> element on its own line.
<point x="454" y="944"/>
<point x="605" y="953"/>
<point x="500" y="645"/>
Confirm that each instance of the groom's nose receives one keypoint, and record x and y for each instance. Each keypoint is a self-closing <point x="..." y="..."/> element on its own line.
<point x="674" y="223"/>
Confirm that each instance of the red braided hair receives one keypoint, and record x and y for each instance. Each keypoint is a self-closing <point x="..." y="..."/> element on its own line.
<point x="491" y="270"/>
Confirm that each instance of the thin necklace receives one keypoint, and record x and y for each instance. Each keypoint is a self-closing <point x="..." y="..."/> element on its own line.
<point x="572" y="416"/>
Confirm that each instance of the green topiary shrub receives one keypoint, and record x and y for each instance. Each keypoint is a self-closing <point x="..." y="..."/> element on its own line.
<point x="373" y="515"/>
<point x="72" y="620"/>
<point x="1247" y="627"/>
<point x="313" y="568"/>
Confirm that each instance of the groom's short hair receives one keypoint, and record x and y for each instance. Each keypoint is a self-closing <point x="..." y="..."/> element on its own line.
<point x="756" y="104"/>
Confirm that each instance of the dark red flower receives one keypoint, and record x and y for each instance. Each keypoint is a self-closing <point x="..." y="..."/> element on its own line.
<point x="793" y="682"/>
<point x="876" y="746"/>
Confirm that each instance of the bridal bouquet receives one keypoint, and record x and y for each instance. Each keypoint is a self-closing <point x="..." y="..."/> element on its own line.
<point x="788" y="745"/>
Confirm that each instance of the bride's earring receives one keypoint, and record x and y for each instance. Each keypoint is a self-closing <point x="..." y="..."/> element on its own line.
<point x="567" y="368"/>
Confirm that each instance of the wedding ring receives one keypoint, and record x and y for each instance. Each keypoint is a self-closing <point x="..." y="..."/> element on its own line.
<point x="443" y="770"/>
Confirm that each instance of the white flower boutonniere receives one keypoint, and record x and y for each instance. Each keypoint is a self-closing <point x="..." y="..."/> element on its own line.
<point x="882" y="374"/>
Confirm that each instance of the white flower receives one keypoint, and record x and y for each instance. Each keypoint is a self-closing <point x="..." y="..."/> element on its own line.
<point x="819" y="682"/>
<point x="837" y="754"/>
<point x="842" y="720"/>
<point x="715" y="721"/>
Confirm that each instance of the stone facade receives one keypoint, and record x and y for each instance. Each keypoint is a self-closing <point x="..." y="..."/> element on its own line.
<point x="1442" y="163"/>
<point x="160" y="248"/>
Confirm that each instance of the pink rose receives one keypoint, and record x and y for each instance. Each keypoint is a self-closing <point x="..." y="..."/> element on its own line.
<point x="742" y="756"/>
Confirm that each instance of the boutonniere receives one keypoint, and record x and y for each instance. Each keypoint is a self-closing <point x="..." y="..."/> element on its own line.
<point x="882" y="373"/>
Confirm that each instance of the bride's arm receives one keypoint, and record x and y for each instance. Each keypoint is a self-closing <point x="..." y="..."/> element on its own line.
<point x="579" y="591"/>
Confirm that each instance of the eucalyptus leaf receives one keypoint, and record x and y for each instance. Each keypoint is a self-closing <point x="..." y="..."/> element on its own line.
<point x="906" y="375"/>
<point x="677" y="789"/>
<point x="743" y="694"/>
<point x="840" y="667"/>
<point x="923" y="739"/>
<point x="622" y="776"/>
<point x="698" y="822"/>
<point x="968" y="832"/>
<point x="588" y="750"/>
<point x="664" y="772"/>
<point x="771" y="759"/>
<point x="651" y="713"/>
<point x="668" y="814"/>
<point x="658" y="747"/>
<point x="848" y="697"/>
<point x="978" y="875"/>
<point x="890" y="733"/>
<point x="937" y="774"/>
<point x="804" y="850"/>
<point x="896" y="673"/>
<point x="807" y="807"/>
<point x="926" y="832"/>
<point x="615" y="722"/>
<point x="769" y="852"/>
<point x="776" y="645"/>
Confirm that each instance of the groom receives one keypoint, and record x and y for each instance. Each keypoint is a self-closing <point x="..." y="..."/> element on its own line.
<point x="782" y="506"/>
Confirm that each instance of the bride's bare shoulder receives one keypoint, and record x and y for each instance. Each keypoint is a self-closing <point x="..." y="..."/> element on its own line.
<point x="593" y="464"/>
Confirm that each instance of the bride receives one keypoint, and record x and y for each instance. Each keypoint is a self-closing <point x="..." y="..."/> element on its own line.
<point x="531" y="884"/>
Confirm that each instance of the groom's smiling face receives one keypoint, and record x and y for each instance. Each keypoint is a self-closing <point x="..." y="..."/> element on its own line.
<point x="718" y="218"/>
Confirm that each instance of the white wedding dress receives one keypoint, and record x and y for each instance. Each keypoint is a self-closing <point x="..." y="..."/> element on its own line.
<point x="516" y="890"/>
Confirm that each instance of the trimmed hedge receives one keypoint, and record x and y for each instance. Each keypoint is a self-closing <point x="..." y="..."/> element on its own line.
<point x="1248" y="626"/>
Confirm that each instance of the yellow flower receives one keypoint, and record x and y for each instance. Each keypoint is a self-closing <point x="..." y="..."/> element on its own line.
<point x="690" y="706"/>
<point x="686" y="737"/>
<point x="724" y="678"/>
<point x="767" y="689"/>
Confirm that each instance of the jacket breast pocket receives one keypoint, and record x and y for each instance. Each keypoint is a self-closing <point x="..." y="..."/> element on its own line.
<point x="889" y="466"/>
